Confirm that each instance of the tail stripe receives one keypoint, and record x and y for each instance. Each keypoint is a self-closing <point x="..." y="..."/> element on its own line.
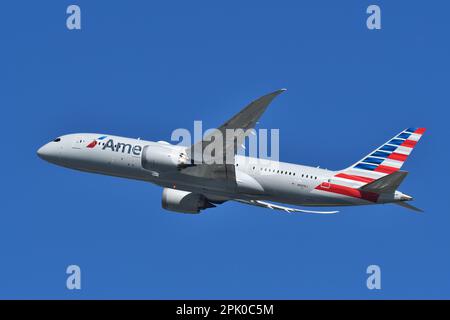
<point x="393" y="163"/>
<point x="380" y="154"/>
<point x="396" y="142"/>
<point x="414" y="137"/>
<point x="420" y="131"/>
<point x="389" y="157"/>
<point x="404" y="135"/>
<point x="409" y="143"/>
<point x="404" y="150"/>
<point x="385" y="169"/>
<point x="373" y="160"/>
<point x="365" y="166"/>
<point x="398" y="156"/>
<point x="387" y="147"/>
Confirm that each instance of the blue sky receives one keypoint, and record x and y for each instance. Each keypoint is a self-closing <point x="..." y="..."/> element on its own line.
<point x="144" y="68"/>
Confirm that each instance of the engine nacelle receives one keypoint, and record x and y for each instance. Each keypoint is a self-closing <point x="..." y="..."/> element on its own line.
<point x="184" y="201"/>
<point x="162" y="158"/>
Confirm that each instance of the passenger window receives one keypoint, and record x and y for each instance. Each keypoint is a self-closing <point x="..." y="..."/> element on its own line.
<point x="57" y="140"/>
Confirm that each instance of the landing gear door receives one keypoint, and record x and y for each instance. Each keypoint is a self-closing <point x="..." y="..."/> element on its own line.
<point x="77" y="143"/>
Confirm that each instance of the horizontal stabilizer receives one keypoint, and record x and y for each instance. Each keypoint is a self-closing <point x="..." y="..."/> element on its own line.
<point x="269" y="205"/>
<point x="408" y="206"/>
<point x="386" y="184"/>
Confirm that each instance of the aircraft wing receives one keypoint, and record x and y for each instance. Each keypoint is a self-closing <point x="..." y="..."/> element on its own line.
<point x="245" y="119"/>
<point x="272" y="206"/>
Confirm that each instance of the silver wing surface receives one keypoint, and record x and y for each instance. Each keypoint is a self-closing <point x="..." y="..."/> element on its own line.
<point x="201" y="164"/>
<point x="245" y="119"/>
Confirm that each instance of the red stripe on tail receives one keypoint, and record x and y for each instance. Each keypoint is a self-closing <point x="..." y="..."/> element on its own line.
<point x="385" y="169"/>
<point x="409" y="143"/>
<point x="420" y="130"/>
<point x="398" y="156"/>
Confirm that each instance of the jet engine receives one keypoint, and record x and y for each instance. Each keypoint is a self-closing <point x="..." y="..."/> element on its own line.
<point x="184" y="201"/>
<point x="163" y="158"/>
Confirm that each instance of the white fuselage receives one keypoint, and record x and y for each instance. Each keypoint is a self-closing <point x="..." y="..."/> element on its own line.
<point x="253" y="178"/>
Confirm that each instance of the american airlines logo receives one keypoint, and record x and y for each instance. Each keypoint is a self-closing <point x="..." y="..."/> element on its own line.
<point x="117" y="147"/>
<point x="94" y="143"/>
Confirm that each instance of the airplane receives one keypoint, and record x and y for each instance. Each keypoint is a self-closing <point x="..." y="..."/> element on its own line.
<point x="192" y="186"/>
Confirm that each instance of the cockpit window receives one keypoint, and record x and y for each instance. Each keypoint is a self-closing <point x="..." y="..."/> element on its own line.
<point x="57" y="140"/>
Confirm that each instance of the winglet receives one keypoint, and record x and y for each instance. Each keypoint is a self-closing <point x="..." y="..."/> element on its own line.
<point x="267" y="98"/>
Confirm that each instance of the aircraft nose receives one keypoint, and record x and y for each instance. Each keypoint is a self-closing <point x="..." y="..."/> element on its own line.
<point x="43" y="152"/>
<point x="48" y="152"/>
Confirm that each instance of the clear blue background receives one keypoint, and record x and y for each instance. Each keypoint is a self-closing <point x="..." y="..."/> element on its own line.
<point x="144" y="68"/>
